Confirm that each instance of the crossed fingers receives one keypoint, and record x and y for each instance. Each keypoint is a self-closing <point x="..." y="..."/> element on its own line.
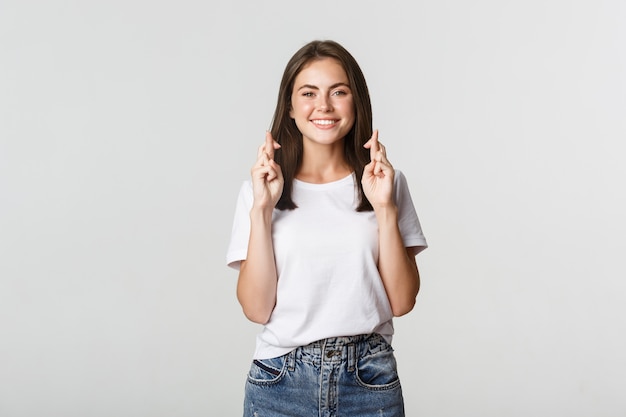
<point x="265" y="156"/>
<point x="378" y="154"/>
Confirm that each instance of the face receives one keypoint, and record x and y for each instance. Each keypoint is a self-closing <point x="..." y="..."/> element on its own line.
<point x="322" y="102"/>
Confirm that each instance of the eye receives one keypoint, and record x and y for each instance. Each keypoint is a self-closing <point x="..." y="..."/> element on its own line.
<point x="307" y="94"/>
<point x="340" y="93"/>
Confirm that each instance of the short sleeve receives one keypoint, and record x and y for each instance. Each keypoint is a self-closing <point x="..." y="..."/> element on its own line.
<point x="408" y="222"/>
<point x="240" y="234"/>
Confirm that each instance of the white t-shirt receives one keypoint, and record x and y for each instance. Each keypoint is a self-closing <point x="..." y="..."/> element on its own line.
<point x="326" y="255"/>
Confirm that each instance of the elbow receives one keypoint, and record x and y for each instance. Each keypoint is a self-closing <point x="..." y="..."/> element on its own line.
<point x="256" y="308"/>
<point x="400" y="309"/>
<point x="254" y="311"/>
<point x="403" y="299"/>
<point x="405" y="305"/>
<point x="257" y="316"/>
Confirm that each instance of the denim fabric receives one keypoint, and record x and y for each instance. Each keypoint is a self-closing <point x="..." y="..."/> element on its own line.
<point x="335" y="377"/>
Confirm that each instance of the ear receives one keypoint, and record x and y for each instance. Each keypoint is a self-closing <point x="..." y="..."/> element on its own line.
<point x="291" y="111"/>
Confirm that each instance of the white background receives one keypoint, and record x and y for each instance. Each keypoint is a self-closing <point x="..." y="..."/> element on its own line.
<point x="127" y="127"/>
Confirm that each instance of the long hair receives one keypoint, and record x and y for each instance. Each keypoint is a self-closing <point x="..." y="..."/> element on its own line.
<point x="285" y="131"/>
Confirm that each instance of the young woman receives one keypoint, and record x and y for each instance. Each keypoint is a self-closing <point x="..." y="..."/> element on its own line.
<point x="324" y="237"/>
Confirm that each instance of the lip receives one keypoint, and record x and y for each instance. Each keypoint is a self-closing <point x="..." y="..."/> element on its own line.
<point x="325" y="123"/>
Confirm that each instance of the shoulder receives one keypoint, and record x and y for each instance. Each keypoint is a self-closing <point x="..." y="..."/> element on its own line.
<point x="399" y="179"/>
<point x="246" y="187"/>
<point x="246" y="195"/>
<point x="402" y="194"/>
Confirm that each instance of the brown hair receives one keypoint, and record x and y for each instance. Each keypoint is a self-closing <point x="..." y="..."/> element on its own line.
<point x="285" y="131"/>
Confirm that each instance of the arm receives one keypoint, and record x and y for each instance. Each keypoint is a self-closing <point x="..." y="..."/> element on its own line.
<point x="256" y="285"/>
<point x="396" y="265"/>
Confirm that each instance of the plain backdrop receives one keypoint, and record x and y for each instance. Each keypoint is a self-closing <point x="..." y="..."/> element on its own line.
<point x="127" y="127"/>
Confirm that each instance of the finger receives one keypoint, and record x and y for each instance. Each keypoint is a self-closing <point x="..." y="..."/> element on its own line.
<point x="276" y="168"/>
<point x="381" y="163"/>
<point x="258" y="174"/>
<point x="368" y="144"/>
<point x="270" y="145"/>
<point x="262" y="158"/>
<point x="368" y="170"/>
<point x="274" y="171"/>
<point x="384" y="158"/>
<point x="377" y="168"/>
<point x="262" y="154"/>
<point x="274" y="143"/>
<point x="373" y="145"/>
<point x="271" y="174"/>
<point x="264" y="173"/>
<point x="267" y="169"/>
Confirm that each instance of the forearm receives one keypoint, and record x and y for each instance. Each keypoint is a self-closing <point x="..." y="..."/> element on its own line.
<point x="256" y="287"/>
<point x="397" y="269"/>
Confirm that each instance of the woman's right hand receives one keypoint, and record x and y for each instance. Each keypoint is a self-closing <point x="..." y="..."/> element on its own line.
<point x="256" y="286"/>
<point x="267" y="177"/>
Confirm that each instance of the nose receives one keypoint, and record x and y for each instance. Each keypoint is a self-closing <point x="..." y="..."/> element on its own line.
<point x="325" y="105"/>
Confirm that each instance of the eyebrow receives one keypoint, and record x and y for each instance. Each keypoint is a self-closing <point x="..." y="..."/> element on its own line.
<point x="314" y="87"/>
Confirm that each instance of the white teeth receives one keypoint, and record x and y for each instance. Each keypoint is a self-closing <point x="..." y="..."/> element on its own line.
<point x="324" y="122"/>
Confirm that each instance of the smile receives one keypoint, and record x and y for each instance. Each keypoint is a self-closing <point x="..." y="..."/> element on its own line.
<point x="324" y="122"/>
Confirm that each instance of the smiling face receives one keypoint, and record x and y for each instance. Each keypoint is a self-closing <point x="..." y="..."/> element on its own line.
<point x="322" y="103"/>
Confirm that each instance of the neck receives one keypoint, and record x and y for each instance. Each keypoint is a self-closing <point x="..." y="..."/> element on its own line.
<point x="323" y="163"/>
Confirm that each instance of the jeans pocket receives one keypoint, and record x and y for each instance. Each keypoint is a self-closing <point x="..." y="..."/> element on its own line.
<point x="267" y="371"/>
<point x="378" y="371"/>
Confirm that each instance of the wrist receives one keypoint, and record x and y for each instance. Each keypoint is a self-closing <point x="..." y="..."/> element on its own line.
<point x="386" y="213"/>
<point x="261" y="213"/>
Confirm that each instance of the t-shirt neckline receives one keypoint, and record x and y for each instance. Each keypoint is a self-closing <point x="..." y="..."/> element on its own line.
<point x="325" y="185"/>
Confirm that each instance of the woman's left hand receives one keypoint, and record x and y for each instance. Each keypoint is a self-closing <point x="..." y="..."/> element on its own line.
<point x="378" y="174"/>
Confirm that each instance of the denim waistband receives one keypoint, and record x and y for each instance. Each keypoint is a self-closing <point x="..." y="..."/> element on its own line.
<point x="337" y="349"/>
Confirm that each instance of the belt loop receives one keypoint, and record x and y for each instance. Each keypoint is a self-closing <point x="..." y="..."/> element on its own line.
<point x="291" y="360"/>
<point x="351" y="357"/>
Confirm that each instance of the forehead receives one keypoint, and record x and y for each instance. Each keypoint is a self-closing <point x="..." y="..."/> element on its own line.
<point x="321" y="71"/>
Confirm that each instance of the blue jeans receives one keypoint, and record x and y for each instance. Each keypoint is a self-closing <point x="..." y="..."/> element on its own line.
<point x="335" y="377"/>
